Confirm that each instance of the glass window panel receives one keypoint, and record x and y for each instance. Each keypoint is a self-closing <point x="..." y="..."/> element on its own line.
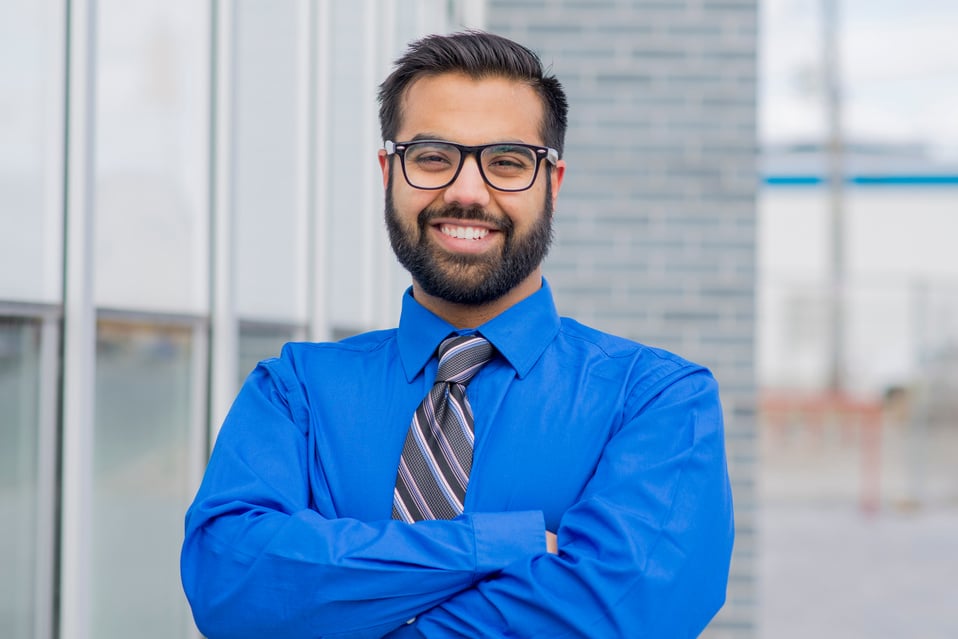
<point x="259" y="342"/>
<point x="365" y="281"/>
<point x="355" y="213"/>
<point x="145" y="400"/>
<point x="31" y="151"/>
<point x="19" y="494"/>
<point x="269" y="131"/>
<point x="152" y="155"/>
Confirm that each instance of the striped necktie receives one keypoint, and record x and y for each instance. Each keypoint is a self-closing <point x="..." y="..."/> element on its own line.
<point x="437" y="455"/>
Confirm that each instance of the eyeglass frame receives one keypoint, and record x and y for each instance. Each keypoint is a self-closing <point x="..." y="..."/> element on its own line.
<point x="546" y="153"/>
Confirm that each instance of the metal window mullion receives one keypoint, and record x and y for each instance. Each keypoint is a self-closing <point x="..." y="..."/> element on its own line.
<point x="201" y="242"/>
<point x="79" y="324"/>
<point x="23" y="467"/>
<point x="56" y="147"/>
<point x="224" y="338"/>
<point x="317" y="276"/>
<point x="46" y="476"/>
<point x="197" y="437"/>
<point x="388" y="270"/>
<point x="303" y="155"/>
<point x="370" y="252"/>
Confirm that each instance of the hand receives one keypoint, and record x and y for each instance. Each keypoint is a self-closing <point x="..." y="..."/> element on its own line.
<point x="552" y="543"/>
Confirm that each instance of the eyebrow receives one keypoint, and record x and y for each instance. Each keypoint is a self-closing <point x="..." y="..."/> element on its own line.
<point x="420" y="137"/>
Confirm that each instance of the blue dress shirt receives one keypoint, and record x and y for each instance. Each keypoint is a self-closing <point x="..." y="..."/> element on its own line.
<point x="615" y="446"/>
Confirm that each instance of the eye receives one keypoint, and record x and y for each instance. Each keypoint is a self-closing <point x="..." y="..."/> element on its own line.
<point x="508" y="160"/>
<point x="432" y="157"/>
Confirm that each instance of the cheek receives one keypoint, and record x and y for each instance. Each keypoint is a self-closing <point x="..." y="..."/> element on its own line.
<point x="407" y="205"/>
<point x="525" y="210"/>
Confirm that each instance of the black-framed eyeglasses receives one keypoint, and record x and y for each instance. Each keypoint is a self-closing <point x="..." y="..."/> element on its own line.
<point x="505" y="166"/>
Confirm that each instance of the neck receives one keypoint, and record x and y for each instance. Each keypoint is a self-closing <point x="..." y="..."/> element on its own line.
<point x="470" y="316"/>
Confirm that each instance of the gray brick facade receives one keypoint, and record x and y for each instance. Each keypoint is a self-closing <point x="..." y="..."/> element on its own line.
<point x="656" y="221"/>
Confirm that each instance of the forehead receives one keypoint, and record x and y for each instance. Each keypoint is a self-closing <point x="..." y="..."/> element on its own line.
<point x="456" y="107"/>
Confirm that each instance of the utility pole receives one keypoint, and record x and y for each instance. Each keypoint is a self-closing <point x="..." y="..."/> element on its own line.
<point x="835" y="159"/>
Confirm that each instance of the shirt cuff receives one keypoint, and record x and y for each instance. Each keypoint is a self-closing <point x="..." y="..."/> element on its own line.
<point x="505" y="537"/>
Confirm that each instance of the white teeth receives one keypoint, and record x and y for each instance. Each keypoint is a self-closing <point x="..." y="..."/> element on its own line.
<point x="464" y="232"/>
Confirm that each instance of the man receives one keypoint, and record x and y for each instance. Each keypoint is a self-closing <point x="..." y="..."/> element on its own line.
<point x="561" y="482"/>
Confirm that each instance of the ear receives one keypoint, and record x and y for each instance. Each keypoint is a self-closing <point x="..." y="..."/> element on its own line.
<point x="384" y="165"/>
<point x="557" y="175"/>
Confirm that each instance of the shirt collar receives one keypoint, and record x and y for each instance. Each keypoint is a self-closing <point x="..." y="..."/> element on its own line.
<point x="520" y="333"/>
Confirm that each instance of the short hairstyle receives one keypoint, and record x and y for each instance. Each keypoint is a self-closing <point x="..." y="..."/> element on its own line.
<point x="478" y="55"/>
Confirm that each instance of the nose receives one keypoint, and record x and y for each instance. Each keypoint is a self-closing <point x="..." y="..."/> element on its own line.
<point x="468" y="189"/>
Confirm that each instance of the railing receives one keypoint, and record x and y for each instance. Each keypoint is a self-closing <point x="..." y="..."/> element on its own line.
<point x="858" y="422"/>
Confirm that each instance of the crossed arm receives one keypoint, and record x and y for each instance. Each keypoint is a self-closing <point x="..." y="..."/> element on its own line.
<point x="552" y="543"/>
<point x="644" y="553"/>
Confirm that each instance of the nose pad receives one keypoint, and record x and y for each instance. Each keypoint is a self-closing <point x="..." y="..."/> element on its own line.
<point x="469" y="188"/>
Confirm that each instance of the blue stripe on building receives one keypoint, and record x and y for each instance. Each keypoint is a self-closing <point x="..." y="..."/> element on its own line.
<point x="863" y="180"/>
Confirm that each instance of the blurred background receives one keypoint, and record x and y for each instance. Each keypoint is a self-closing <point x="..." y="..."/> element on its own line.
<point x="769" y="187"/>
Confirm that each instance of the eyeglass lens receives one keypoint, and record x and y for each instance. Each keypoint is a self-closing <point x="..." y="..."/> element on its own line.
<point x="505" y="166"/>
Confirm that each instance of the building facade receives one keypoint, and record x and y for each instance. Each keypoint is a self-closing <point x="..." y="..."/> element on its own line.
<point x="656" y="221"/>
<point x="185" y="185"/>
<point x="894" y="216"/>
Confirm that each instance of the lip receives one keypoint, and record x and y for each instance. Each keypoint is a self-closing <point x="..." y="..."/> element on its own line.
<point x="468" y="244"/>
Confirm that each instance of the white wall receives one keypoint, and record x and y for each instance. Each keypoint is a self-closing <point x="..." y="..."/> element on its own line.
<point x="902" y="283"/>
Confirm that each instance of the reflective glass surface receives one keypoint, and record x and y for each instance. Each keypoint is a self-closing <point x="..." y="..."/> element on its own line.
<point x="152" y="167"/>
<point x="19" y="394"/>
<point x="353" y="197"/>
<point x="31" y="149"/>
<point x="141" y="480"/>
<point x="268" y="167"/>
<point x="257" y="343"/>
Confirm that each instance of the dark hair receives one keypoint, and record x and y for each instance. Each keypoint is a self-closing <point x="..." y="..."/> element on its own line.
<point x="478" y="55"/>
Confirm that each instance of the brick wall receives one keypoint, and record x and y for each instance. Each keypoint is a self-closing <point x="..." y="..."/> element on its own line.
<point x="656" y="220"/>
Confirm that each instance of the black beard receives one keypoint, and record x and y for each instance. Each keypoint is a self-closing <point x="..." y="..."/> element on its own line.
<point x="471" y="280"/>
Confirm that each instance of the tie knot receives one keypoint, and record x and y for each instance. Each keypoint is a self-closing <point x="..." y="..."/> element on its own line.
<point x="461" y="357"/>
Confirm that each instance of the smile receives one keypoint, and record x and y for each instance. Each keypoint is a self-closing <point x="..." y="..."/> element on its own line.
<point x="463" y="232"/>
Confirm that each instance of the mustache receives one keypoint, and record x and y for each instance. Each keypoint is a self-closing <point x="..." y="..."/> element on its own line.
<point x="465" y="214"/>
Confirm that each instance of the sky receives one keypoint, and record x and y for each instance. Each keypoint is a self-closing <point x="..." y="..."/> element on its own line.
<point x="898" y="64"/>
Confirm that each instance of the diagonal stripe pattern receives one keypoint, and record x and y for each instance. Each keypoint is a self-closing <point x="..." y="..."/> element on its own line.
<point x="437" y="456"/>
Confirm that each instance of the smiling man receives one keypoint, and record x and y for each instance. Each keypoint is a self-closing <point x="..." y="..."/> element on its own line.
<point x="488" y="468"/>
<point x="471" y="224"/>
